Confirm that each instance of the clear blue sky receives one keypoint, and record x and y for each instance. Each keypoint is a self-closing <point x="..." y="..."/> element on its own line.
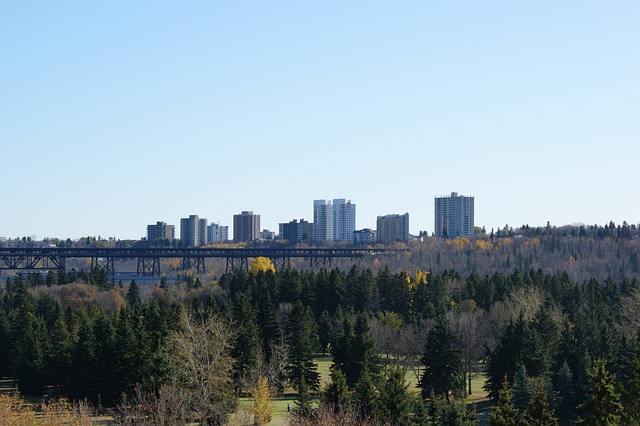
<point x="117" y="114"/>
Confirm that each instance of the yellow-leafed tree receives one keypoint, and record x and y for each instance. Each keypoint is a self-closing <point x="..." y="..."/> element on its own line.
<point x="261" y="264"/>
<point x="262" y="402"/>
<point x="14" y="412"/>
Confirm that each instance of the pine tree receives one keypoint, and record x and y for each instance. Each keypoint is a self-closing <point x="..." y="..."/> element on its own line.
<point x="602" y="407"/>
<point x="443" y="368"/>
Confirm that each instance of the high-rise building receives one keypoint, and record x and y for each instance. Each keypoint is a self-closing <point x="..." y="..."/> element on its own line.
<point x="246" y="226"/>
<point x="295" y="231"/>
<point x="202" y="232"/>
<point x="344" y="220"/>
<point x="217" y="233"/>
<point x="453" y="216"/>
<point x="189" y="231"/>
<point x="393" y="227"/>
<point x="322" y="221"/>
<point x="160" y="231"/>
<point x="334" y="221"/>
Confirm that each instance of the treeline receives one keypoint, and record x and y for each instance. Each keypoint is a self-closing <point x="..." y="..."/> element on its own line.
<point x="545" y="340"/>
<point x="583" y="252"/>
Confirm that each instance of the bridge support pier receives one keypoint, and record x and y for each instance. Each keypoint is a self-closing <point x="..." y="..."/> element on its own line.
<point x="196" y="263"/>
<point x="105" y="263"/>
<point x="234" y="263"/>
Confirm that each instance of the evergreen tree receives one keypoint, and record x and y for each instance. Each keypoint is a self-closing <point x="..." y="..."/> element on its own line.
<point x="362" y="353"/>
<point x="565" y="403"/>
<point x="630" y="396"/>
<point x="133" y="294"/>
<point x="443" y="368"/>
<point x="504" y="413"/>
<point x="301" y="370"/>
<point x="506" y="356"/>
<point x="394" y="401"/>
<point x="268" y="324"/>
<point x="57" y="356"/>
<point x="365" y="396"/>
<point x="5" y="343"/>
<point x="83" y="361"/>
<point x="164" y="284"/>
<point x="602" y="407"/>
<point x="539" y="412"/>
<point x="522" y="389"/>
<point x="336" y="393"/>
<point x="105" y="381"/>
<point x="341" y="351"/>
<point x="325" y="330"/>
<point x="247" y="344"/>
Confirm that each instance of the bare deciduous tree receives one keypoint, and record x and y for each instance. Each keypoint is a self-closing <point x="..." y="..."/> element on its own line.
<point x="470" y="338"/>
<point x="165" y="406"/>
<point x="199" y="357"/>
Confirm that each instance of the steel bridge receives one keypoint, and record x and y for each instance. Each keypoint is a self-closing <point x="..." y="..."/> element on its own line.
<point x="55" y="258"/>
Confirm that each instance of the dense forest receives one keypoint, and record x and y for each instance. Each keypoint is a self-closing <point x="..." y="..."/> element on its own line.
<point x="555" y="346"/>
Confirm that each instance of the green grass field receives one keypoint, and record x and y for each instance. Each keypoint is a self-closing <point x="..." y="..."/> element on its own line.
<point x="279" y="414"/>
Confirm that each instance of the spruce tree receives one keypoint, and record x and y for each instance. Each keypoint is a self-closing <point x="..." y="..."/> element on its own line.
<point x="362" y="353"/>
<point x="539" y="412"/>
<point x="325" y="330"/>
<point x="341" y="351"/>
<point x="365" y="396"/>
<point x="268" y="325"/>
<point x="337" y="393"/>
<point x="133" y="294"/>
<point x="504" y="413"/>
<point x="394" y="401"/>
<point x="506" y="357"/>
<point x="565" y="403"/>
<point x="5" y="343"/>
<point x="602" y="407"/>
<point x="522" y="389"/>
<point x="631" y="394"/>
<point x="443" y="368"/>
<point x="301" y="370"/>
<point x="247" y="344"/>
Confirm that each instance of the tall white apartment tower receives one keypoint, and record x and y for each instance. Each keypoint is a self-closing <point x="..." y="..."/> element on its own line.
<point x="322" y="220"/>
<point x="453" y="216"/>
<point x="344" y="220"/>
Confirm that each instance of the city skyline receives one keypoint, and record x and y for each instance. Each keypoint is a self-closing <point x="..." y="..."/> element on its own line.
<point x="115" y="115"/>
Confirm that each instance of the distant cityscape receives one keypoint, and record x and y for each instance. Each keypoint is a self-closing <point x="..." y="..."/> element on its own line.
<point x="333" y="221"/>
